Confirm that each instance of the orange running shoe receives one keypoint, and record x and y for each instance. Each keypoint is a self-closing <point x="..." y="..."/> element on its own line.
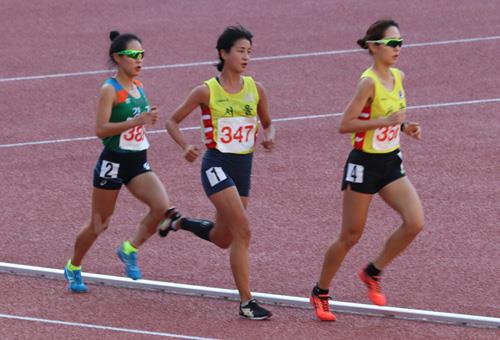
<point x="322" y="307"/>
<point x="374" y="292"/>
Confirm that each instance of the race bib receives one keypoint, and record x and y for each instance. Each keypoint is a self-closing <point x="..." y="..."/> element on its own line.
<point x="215" y="175"/>
<point x="386" y="138"/>
<point x="134" y="139"/>
<point x="236" y="135"/>
<point x="354" y="173"/>
<point x="109" y="169"/>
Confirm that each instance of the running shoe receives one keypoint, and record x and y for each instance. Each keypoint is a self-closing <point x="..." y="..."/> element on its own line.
<point x="251" y="310"/>
<point x="170" y="222"/>
<point x="322" y="307"/>
<point x="374" y="291"/>
<point x="75" y="281"/>
<point x="130" y="262"/>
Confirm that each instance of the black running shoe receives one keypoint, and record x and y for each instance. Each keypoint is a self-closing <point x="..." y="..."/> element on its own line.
<point x="168" y="225"/>
<point x="253" y="311"/>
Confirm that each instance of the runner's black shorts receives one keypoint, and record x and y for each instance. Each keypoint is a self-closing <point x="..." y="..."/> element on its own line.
<point x="113" y="169"/>
<point x="368" y="173"/>
<point x="223" y="170"/>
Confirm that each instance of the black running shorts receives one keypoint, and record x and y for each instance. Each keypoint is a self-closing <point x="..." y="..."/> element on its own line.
<point x="113" y="169"/>
<point x="368" y="173"/>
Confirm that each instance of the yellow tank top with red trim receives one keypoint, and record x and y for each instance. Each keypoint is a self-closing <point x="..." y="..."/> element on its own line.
<point x="230" y="122"/>
<point x="384" y="103"/>
<point x="127" y="107"/>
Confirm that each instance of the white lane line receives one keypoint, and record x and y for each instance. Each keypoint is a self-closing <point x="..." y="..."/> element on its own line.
<point x="276" y="57"/>
<point x="285" y="119"/>
<point x="100" y="327"/>
<point x="232" y="294"/>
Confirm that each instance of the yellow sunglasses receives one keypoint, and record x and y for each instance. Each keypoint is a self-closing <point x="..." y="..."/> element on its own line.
<point x="391" y="42"/>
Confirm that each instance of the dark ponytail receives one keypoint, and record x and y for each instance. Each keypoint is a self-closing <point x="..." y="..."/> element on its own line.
<point x="119" y="42"/>
<point x="376" y="31"/>
<point x="227" y="39"/>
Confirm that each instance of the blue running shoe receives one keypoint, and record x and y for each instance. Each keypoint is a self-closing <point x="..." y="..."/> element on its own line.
<point x="130" y="261"/>
<point x="75" y="281"/>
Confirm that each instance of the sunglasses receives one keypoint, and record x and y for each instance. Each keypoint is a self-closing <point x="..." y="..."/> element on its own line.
<point x="134" y="54"/>
<point x="391" y="42"/>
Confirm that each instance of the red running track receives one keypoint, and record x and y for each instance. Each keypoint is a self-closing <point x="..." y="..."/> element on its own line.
<point x="295" y="203"/>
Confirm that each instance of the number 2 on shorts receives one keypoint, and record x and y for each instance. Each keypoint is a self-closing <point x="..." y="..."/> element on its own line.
<point x="215" y="175"/>
<point x="109" y="169"/>
<point x="354" y="173"/>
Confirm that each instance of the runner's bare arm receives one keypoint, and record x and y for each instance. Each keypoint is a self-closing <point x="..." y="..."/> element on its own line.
<point x="264" y="117"/>
<point x="362" y="96"/>
<point x="105" y="128"/>
<point x="412" y="129"/>
<point x="199" y="96"/>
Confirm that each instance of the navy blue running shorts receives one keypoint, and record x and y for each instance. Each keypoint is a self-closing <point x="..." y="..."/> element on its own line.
<point x="113" y="169"/>
<point x="223" y="170"/>
<point x="368" y="173"/>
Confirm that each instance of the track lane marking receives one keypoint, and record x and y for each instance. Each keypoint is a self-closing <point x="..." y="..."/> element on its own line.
<point x="100" y="327"/>
<point x="276" y="57"/>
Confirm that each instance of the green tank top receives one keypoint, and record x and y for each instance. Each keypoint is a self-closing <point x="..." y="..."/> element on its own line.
<point x="127" y="107"/>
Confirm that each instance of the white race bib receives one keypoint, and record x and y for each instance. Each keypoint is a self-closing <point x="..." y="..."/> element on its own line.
<point x="109" y="169"/>
<point x="215" y="175"/>
<point x="237" y="134"/>
<point x="354" y="173"/>
<point x="386" y="138"/>
<point x="134" y="139"/>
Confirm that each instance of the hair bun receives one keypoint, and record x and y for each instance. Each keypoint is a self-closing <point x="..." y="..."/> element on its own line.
<point x="113" y="35"/>
<point x="362" y="43"/>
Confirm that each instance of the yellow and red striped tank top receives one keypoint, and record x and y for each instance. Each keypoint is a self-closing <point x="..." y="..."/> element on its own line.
<point x="230" y="122"/>
<point x="385" y="102"/>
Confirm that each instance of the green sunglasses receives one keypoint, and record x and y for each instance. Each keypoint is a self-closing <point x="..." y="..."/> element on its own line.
<point x="391" y="42"/>
<point x="134" y="54"/>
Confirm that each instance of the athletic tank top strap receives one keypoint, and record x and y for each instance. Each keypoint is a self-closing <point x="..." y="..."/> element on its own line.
<point x="137" y="83"/>
<point x="121" y="93"/>
<point x="139" y="87"/>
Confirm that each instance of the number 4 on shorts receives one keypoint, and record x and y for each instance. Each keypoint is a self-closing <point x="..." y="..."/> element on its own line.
<point x="215" y="175"/>
<point x="354" y="173"/>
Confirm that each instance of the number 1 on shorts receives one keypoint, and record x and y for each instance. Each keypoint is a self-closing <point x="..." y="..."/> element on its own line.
<point x="215" y="175"/>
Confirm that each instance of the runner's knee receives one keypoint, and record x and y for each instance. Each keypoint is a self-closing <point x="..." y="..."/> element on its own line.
<point x="241" y="231"/>
<point x="99" y="224"/>
<point x="414" y="225"/>
<point x="157" y="210"/>
<point x="350" y="239"/>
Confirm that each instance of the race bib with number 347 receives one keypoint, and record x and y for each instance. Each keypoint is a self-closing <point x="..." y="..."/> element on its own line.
<point x="236" y="134"/>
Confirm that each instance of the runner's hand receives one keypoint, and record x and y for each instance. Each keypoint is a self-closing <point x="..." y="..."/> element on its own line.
<point x="269" y="135"/>
<point x="397" y="118"/>
<point x="149" y="117"/>
<point x="413" y="129"/>
<point x="191" y="152"/>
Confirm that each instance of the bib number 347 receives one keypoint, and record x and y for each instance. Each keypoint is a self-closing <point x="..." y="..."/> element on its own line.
<point x="236" y="135"/>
